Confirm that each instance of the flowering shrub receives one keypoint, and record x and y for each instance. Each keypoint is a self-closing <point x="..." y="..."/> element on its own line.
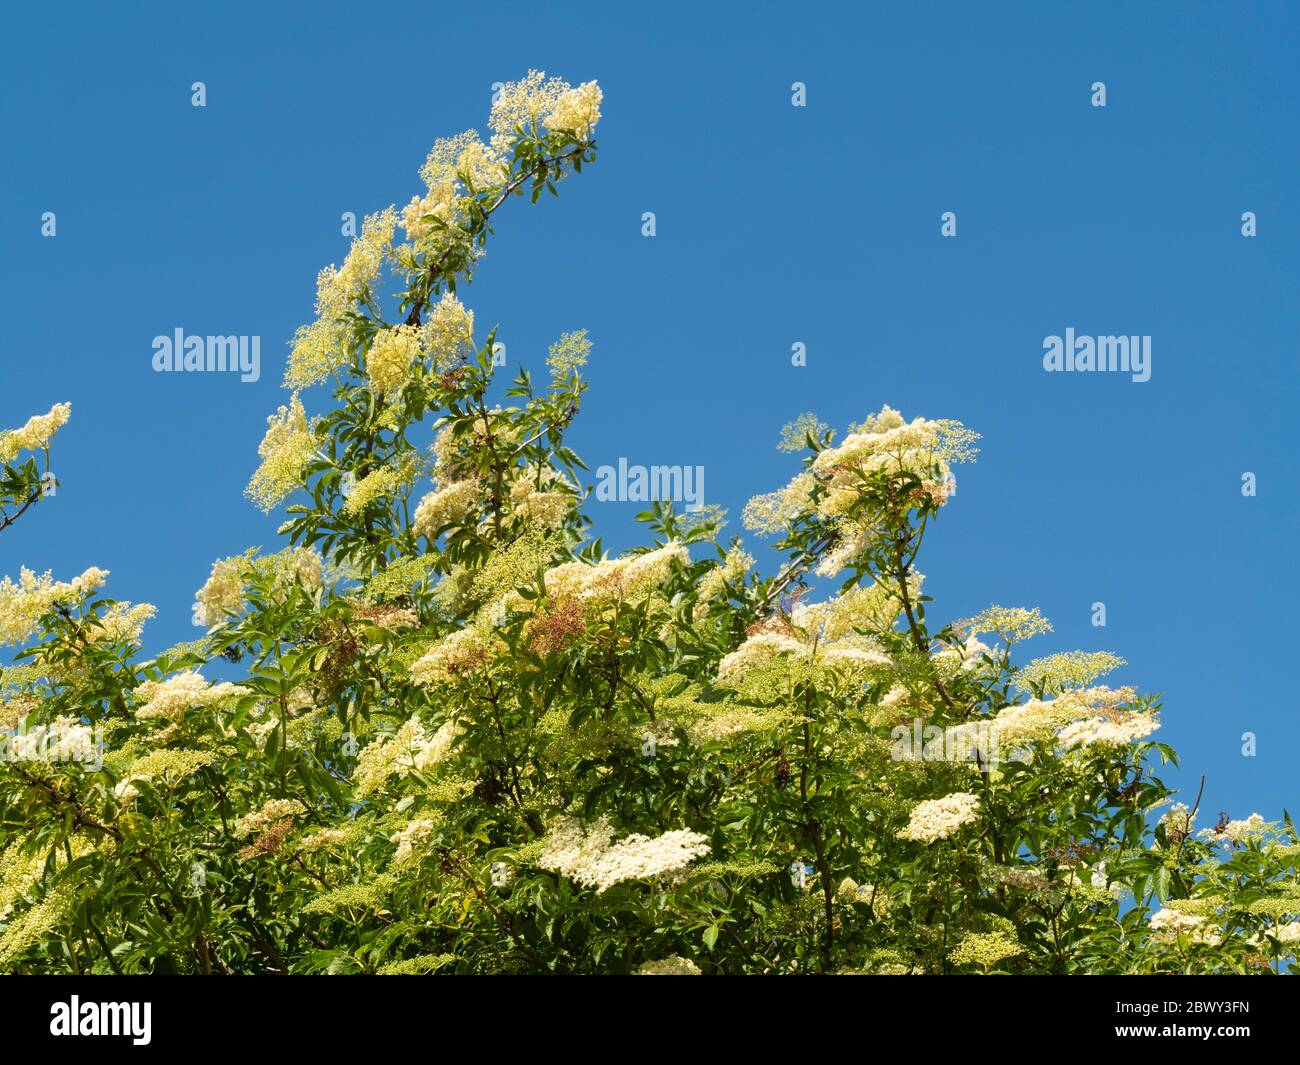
<point x="459" y="738"/>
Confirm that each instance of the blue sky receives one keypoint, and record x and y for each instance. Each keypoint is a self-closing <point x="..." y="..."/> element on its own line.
<point x="775" y="224"/>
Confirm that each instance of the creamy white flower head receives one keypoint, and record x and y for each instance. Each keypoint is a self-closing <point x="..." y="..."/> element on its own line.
<point x="170" y="698"/>
<point x="437" y="747"/>
<point x="576" y="111"/>
<point x="1235" y="832"/>
<point x="966" y="657"/>
<point x="1167" y="920"/>
<point x="445" y="506"/>
<point x="523" y="104"/>
<point x="409" y="838"/>
<point x="269" y="813"/>
<point x="1106" y="731"/>
<point x="65" y="739"/>
<point x="24" y="603"/>
<point x="756" y="652"/>
<point x="589" y="856"/>
<point x="463" y="652"/>
<point x="36" y="434"/>
<point x="936" y="819"/>
<point x="392" y="355"/>
<point x="819" y="633"/>
<point x="673" y="965"/>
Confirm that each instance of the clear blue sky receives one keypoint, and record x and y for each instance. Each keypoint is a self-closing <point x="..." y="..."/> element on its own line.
<point x="775" y="225"/>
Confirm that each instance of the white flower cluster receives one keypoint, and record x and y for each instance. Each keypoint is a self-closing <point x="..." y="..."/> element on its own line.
<point x="1106" y="731"/>
<point x="460" y="653"/>
<point x="65" y="739"/>
<point x="936" y="819"/>
<point x="408" y="839"/>
<point x="1167" y="920"/>
<point x="39" y="429"/>
<point x="820" y="632"/>
<point x="23" y="604"/>
<point x="1237" y="831"/>
<point x="445" y="506"/>
<point x="270" y="813"/>
<point x="673" y="965"/>
<point x="588" y="855"/>
<point x="629" y="577"/>
<point x="1076" y="719"/>
<point x="410" y="748"/>
<point x="170" y="698"/>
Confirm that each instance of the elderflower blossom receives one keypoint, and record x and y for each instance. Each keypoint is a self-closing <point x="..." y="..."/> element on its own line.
<point x="1177" y="822"/>
<point x="936" y="819"/>
<point x="966" y="657"/>
<point x="756" y="652"/>
<point x="445" y="506"/>
<point x="36" y="434"/>
<point x="391" y="355"/>
<point x="171" y="764"/>
<point x="984" y="948"/>
<point x="408" y="838"/>
<point x="1236" y="832"/>
<point x="854" y="539"/>
<point x="1076" y="718"/>
<point x="338" y="289"/>
<point x="388" y="755"/>
<point x="324" y="839"/>
<point x="542" y="496"/>
<point x="589" y="856"/>
<point x="267" y="815"/>
<point x="121" y="621"/>
<point x="437" y="747"/>
<point x="1109" y="731"/>
<point x="576" y="111"/>
<point x="1288" y="933"/>
<point x="65" y="739"/>
<point x="1070" y="669"/>
<point x="170" y="698"/>
<point x="547" y="509"/>
<point x="1013" y="624"/>
<point x="771" y="513"/>
<point x="1167" y="920"/>
<point x="463" y="154"/>
<point x="732" y="570"/>
<point x="318" y="350"/>
<point x="523" y="104"/>
<point x="448" y="335"/>
<point x="568" y="354"/>
<point x="673" y="965"/>
<point x="222" y="594"/>
<point x="885" y="444"/>
<point x="23" y="604"/>
<point x="442" y="201"/>
<point x="285" y="451"/>
<point x="460" y="653"/>
<point x="808" y="639"/>
<point x="321" y="349"/>
<point x="794" y="434"/>
<point x="626" y="579"/>
<point x="377" y="484"/>
<point x="1037" y="719"/>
